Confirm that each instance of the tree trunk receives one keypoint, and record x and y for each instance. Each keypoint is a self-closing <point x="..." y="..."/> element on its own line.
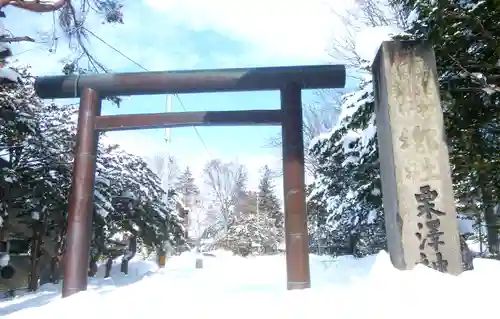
<point x="55" y="269"/>
<point x="93" y="266"/>
<point x="109" y="265"/>
<point x="131" y="251"/>
<point x="467" y="255"/>
<point x="489" y="216"/>
<point x="353" y="243"/>
<point x="35" y="255"/>
<point x="56" y="262"/>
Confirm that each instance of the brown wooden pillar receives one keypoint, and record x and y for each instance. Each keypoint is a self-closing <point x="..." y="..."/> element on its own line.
<point x="81" y="196"/>
<point x="297" y="247"/>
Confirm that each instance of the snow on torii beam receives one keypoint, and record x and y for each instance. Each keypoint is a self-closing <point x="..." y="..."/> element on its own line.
<point x="92" y="88"/>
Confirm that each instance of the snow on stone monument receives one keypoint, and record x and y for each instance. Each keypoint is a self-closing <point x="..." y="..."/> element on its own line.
<point x="418" y="200"/>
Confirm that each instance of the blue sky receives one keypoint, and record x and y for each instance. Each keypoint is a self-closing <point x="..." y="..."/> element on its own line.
<point x="196" y="34"/>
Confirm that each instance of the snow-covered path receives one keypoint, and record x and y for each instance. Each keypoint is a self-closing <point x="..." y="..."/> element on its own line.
<point x="230" y="287"/>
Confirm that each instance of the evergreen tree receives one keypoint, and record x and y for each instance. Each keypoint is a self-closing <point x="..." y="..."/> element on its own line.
<point x="251" y="230"/>
<point x="345" y="202"/>
<point x="346" y="194"/>
<point x="36" y="142"/>
<point x="150" y="216"/>
<point x="257" y="224"/>
<point x="36" y="147"/>
<point x="465" y="37"/>
<point x="268" y="201"/>
<point x="251" y="233"/>
<point x="186" y="187"/>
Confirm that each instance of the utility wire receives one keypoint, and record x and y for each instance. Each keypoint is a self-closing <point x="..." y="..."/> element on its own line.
<point x="145" y="69"/>
<point x="39" y="46"/>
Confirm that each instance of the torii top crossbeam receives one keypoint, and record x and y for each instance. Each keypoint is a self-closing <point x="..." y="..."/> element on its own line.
<point x="193" y="81"/>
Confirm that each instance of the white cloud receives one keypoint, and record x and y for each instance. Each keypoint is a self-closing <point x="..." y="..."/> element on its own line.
<point x="273" y="31"/>
<point x="299" y="30"/>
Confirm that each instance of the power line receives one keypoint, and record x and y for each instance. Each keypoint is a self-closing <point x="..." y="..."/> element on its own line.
<point x="145" y="69"/>
<point x="39" y="46"/>
<point x="194" y="127"/>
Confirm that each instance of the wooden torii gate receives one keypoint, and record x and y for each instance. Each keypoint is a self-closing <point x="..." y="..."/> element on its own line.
<point x="92" y="88"/>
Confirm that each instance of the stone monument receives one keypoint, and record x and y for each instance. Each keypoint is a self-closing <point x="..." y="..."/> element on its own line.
<point x="418" y="199"/>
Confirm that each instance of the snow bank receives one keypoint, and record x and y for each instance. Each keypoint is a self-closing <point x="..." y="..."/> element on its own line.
<point x="50" y="294"/>
<point x="254" y="287"/>
<point x="136" y="268"/>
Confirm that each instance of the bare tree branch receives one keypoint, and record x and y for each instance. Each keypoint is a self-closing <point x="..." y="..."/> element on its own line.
<point x="365" y="14"/>
<point x="36" y="5"/>
<point x="227" y="183"/>
<point x="322" y="118"/>
<point x="72" y="21"/>
<point x="4" y="39"/>
<point x="166" y="169"/>
<point x="317" y="119"/>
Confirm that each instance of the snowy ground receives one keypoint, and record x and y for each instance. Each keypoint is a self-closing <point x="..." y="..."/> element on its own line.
<point x="235" y="287"/>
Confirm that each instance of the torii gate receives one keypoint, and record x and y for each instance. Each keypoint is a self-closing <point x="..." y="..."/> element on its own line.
<point x="92" y="88"/>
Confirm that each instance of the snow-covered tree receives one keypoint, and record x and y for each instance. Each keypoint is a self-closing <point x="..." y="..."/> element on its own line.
<point x="345" y="206"/>
<point x="347" y="184"/>
<point x="252" y="221"/>
<point x="118" y="173"/>
<point x="251" y="233"/>
<point x="187" y="187"/>
<point x="269" y="203"/>
<point x="36" y="141"/>
<point x="465" y="36"/>
<point x="250" y="230"/>
<point x="227" y="181"/>
<point x="36" y="147"/>
<point x="348" y="179"/>
<point x="165" y="167"/>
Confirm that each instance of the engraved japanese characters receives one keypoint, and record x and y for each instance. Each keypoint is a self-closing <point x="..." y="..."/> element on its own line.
<point x="427" y="209"/>
<point x="421" y="169"/>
